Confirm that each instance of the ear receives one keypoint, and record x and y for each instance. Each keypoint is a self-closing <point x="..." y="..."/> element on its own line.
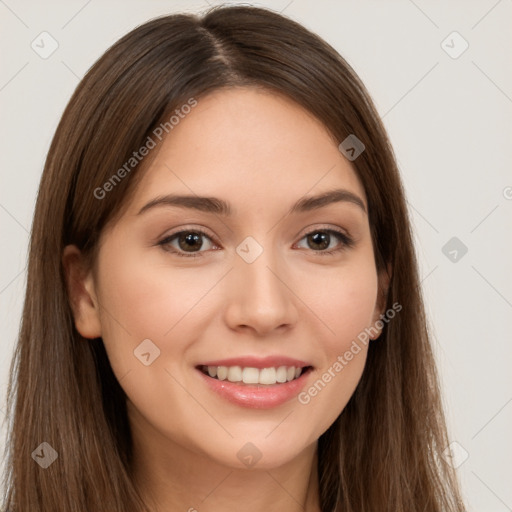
<point x="384" y="277"/>
<point x="81" y="293"/>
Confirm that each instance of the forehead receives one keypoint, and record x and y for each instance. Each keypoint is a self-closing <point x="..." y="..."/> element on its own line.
<point x="255" y="148"/>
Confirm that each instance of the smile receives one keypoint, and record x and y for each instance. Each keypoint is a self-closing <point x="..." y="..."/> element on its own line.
<point x="257" y="388"/>
<point x="250" y="375"/>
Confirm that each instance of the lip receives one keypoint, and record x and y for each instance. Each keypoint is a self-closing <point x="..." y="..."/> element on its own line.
<point x="257" y="362"/>
<point x="256" y="396"/>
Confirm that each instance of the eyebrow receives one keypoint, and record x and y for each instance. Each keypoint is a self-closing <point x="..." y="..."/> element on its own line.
<point x="221" y="207"/>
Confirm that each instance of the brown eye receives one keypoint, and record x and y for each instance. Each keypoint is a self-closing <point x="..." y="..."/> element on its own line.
<point x="189" y="243"/>
<point x="321" y="239"/>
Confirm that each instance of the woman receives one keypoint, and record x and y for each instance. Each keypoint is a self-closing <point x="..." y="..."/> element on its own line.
<point x="222" y="305"/>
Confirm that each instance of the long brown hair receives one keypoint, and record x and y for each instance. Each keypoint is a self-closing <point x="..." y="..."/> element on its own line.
<point x="383" y="453"/>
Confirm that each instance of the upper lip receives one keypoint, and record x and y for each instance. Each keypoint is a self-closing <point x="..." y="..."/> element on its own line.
<point x="258" y="362"/>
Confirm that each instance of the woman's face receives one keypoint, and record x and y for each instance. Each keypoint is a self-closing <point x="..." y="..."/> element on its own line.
<point x="263" y="287"/>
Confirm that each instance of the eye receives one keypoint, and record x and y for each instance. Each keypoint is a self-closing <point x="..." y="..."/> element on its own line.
<point x="321" y="239"/>
<point x="189" y="242"/>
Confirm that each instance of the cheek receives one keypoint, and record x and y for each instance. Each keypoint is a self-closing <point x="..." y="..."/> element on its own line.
<point x="141" y="300"/>
<point x="343" y="301"/>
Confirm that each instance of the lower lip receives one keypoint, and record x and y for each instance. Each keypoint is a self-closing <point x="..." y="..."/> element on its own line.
<point x="256" y="396"/>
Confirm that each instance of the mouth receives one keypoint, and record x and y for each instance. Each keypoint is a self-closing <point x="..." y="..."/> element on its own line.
<point x="254" y="381"/>
<point x="252" y="376"/>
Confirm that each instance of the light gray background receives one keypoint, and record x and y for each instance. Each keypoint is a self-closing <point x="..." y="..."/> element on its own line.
<point x="449" y="120"/>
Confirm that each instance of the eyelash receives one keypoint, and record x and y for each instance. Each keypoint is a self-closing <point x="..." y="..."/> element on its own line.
<point x="346" y="242"/>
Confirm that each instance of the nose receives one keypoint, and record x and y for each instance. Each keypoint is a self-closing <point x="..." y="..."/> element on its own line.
<point x="260" y="296"/>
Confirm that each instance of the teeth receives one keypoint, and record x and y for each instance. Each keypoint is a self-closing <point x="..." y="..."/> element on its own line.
<point x="281" y="374"/>
<point x="222" y="372"/>
<point x="250" y="375"/>
<point x="234" y="374"/>
<point x="267" y="376"/>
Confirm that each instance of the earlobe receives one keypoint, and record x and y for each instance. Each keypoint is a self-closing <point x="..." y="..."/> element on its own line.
<point x="81" y="293"/>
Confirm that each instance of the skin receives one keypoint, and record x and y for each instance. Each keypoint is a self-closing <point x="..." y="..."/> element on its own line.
<point x="260" y="152"/>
